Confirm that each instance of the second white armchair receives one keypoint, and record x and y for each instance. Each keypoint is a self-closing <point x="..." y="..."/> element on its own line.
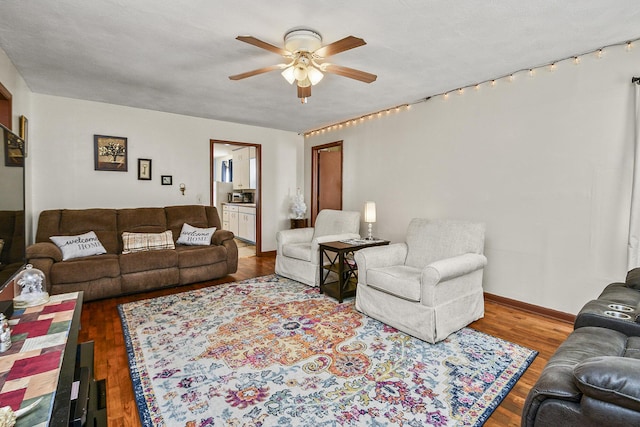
<point x="429" y="286"/>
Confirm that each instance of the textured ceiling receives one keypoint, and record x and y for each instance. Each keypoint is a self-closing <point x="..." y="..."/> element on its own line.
<point x="176" y="55"/>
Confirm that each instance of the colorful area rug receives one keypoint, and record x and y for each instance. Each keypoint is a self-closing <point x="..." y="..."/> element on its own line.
<point x="273" y="352"/>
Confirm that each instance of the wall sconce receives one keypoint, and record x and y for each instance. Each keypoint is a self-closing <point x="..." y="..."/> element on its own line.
<point x="370" y="216"/>
<point x="182" y="188"/>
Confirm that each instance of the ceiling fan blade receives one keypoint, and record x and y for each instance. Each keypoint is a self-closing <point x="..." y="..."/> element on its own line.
<point x="349" y="72"/>
<point x="263" y="45"/>
<point x="346" y="43"/>
<point x="256" y="72"/>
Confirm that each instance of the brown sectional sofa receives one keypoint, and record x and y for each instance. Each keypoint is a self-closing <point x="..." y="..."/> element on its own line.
<point x="114" y="273"/>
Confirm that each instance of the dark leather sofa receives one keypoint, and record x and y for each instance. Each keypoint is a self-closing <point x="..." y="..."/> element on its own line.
<point x="593" y="378"/>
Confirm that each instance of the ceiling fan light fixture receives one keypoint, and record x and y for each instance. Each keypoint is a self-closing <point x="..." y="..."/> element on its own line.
<point x="300" y="72"/>
<point x="288" y="74"/>
<point x="314" y="75"/>
<point x="302" y="39"/>
<point x="304" y="83"/>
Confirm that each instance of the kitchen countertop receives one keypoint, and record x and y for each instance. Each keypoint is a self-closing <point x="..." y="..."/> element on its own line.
<point x="249" y="205"/>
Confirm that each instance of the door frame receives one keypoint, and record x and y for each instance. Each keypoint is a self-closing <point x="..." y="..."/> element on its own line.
<point x="6" y="105"/>
<point x="258" y="197"/>
<point x="315" y="151"/>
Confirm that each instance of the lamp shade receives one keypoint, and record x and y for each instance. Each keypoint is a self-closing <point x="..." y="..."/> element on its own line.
<point x="314" y="75"/>
<point x="300" y="72"/>
<point x="288" y="74"/>
<point x="370" y="212"/>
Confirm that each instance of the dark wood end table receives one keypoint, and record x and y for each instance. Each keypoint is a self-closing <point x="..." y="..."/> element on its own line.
<point x="342" y="265"/>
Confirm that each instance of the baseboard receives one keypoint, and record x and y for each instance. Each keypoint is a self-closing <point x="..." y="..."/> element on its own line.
<point x="531" y="308"/>
<point x="267" y="253"/>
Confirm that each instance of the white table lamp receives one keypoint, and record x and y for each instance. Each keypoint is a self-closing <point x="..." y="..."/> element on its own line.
<point x="370" y="216"/>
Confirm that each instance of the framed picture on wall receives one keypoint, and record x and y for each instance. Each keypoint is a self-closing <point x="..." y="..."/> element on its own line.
<point x="110" y="153"/>
<point x="13" y="148"/>
<point x="166" y="179"/>
<point x="144" y="169"/>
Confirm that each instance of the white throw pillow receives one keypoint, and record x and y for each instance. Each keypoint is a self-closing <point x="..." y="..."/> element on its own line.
<point x="86" y="244"/>
<point x="138" y="242"/>
<point x="194" y="236"/>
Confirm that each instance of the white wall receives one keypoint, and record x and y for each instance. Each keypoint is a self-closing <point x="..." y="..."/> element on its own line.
<point x="544" y="161"/>
<point x="63" y="164"/>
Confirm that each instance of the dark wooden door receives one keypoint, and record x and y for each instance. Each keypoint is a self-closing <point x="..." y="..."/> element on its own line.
<point x="327" y="178"/>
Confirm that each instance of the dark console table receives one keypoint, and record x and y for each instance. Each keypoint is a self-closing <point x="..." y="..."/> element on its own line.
<point x="339" y="277"/>
<point x="45" y="364"/>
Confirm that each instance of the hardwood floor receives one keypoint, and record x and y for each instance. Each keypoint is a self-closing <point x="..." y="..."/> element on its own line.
<point x="100" y="322"/>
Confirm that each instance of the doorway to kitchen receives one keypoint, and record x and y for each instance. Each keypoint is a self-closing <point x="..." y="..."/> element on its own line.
<point x="236" y="192"/>
<point x="326" y="178"/>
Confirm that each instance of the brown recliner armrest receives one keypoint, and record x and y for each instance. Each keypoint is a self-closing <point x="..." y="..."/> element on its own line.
<point x="44" y="250"/>
<point x="220" y="236"/>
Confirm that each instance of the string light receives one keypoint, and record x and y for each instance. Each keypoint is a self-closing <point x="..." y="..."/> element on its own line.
<point x="552" y="66"/>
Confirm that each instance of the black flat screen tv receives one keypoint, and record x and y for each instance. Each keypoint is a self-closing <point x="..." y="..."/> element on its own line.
<point x="12" y="206"/>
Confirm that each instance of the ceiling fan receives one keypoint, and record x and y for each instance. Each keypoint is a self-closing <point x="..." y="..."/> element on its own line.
<point x="305" y="57"/>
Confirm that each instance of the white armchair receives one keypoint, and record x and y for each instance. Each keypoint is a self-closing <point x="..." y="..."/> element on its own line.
<point x="429" y="286"/>
<point x="298" y="256"/>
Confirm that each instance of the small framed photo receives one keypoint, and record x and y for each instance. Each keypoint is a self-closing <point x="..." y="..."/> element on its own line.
<point x="144" y="169"/>
<point x="110" y="153"/>
<point x="166" y="179"/>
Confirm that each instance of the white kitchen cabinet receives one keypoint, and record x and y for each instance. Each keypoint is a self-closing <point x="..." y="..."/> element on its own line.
<point x="247" y="223"/>
<point x="244" y="170"/>
<point x="230" y="219"/>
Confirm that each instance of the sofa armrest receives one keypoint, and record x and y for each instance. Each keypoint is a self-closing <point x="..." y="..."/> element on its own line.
<point x="610" y="379"/>
<point x="220" y="236"/>
<point x="44" y="250"/>
<point x="450" y="268"/>
<point x="379" y="256"/>
<point x="296" y="235"/>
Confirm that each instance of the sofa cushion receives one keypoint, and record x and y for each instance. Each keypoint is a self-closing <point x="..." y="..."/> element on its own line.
<point x="398" y="280"/>
<point x="434" y="240"/>
<point x="633" y="278"/>
<point x="149" y="260"/>
<point x="85" y="269"/>
<point x="141" y="220"/>
<point x="610" y="379"/>
<point x="195" y="236"/>
<point x="195" y="256"/>
<point x="83" y="245"/>
<point x="137" y="242"/>
<point x="101" y="221"/>
<point x="196" y="215"/>
<point x="298" y="251"/>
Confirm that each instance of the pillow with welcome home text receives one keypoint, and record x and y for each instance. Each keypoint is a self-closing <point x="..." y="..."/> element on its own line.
<point x="82" y="245"/>
<point x="194" y="236"/>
